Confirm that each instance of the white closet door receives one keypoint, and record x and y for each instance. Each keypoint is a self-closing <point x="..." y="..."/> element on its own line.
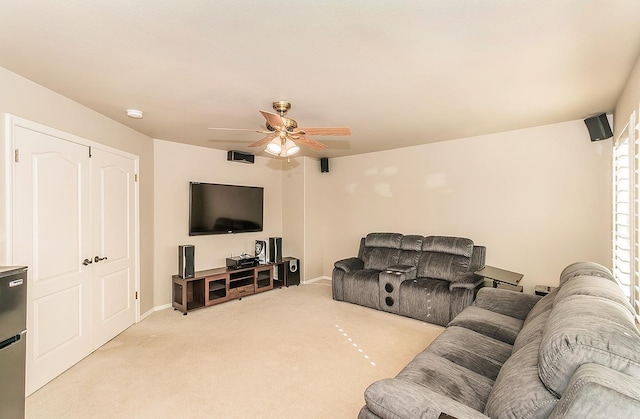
<point x="113" y="245"/>
<point x="51" y="234"/>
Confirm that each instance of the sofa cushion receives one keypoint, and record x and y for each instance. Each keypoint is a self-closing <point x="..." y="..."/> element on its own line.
<point x="362" y="288"/>
<point x="512" y="304"/>
<point x="531" y="331"/>
<point x="489" y="323"/>
<point x="479" y="353"/>
<point x="518" y="391"/>
<point x="587" y="329"/>
<point x="442" y="265"/>
<point x="598" y="392"/>
<point x="381" y="250"/>
<point x="410" y="249"/>
<point x="453" y="245"/>
<point x="444" y="257"/>
<point x="394" y="398"/>
<point x="425" y="299"/>
<point x="388" y="240"/>
<point x="543" y="305"/>
<point x="448" y="379"/>
<point x="584" y="268"/>
<point x="593" y="286"/>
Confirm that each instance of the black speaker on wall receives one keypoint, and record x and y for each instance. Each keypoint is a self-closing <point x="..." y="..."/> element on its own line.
<point x="240" y="156"/>
<point x="186" y="260"/>
<point x="324" y="164"/>
<point x="275" y="249"/>
<point x="599" y="128"/>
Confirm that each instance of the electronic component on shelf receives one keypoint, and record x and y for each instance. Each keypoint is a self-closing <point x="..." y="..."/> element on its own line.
<point x="242" y="261"/>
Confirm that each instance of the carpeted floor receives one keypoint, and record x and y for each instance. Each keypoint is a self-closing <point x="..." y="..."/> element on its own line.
<point x="287" y="353"/>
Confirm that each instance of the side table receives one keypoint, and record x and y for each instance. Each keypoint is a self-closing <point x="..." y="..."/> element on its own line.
<point x="543" y="290"/>
<point x="498" y="275"/>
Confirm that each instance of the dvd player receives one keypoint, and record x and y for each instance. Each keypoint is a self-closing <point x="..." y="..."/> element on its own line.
<point x="242" y="261"/>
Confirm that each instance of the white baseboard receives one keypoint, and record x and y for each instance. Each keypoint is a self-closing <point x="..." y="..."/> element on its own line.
<point x="154" y="309"/>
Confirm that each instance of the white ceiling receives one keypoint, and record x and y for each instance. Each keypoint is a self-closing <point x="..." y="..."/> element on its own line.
<point x="399" y="73"/>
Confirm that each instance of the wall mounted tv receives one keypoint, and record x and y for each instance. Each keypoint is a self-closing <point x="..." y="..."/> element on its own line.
<point x="224" y="209"/>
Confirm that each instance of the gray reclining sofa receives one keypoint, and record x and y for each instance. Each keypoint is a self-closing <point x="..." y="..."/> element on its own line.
<point x="574" y="353"/>
<point x="425" y="278"/>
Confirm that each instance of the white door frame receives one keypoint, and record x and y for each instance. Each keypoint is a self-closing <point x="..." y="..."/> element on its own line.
<point x="11" y="122"/>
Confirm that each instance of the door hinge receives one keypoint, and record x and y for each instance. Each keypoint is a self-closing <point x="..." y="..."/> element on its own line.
<point x="89" y="151"/>
<point x="16" y="155"/>
<point x="135" y="177"/>
<point x="136" y="295"/>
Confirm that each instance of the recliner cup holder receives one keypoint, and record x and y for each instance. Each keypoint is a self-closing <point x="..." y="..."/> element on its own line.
<point x="389" y="301"/>
<point x="389" y="288"/>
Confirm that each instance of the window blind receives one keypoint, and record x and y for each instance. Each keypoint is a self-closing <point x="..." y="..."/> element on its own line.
<point x="621" y="212"/>
<point x="634" y="292"/>
<point x="626" y="211"/>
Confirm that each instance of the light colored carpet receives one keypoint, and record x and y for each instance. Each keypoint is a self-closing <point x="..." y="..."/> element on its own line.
<point x="288" y="353"/>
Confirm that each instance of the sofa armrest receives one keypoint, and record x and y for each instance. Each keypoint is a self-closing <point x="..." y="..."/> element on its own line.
<point x="408" y="271"/>
<point x="350" y="264"/>
<point x="467" y="281"/>
<point x="398" y="398"/>
<point x="598" y="391"/>
<point x="509" y="303"/>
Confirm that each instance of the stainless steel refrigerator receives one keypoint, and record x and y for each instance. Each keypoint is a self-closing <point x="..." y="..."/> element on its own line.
<point x="13" y="333"/>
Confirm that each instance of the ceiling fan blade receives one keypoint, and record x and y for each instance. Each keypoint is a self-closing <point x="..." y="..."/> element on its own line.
<point x="263" y="141"/>
<point x="312" y="144"/>
<point x="327" y="131"/>
<point x="241" y="129"/>
<point x="273" y="119"/>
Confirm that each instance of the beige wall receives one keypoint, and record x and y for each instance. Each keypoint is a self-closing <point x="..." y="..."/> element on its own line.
<point x="25" y="99"/>
<point x="178" y="164"/>
<point x="303" y="215"/>
<point x="293" y="209"/>
<point x="538" y="198"/>
<point x="629" y="100"/>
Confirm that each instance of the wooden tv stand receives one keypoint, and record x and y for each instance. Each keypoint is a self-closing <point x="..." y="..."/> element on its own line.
<point x="215" y="286"/>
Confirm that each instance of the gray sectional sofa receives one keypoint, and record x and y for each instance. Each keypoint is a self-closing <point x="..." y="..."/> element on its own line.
<point x="574" y="353"/>
<point x="426" y="278"/>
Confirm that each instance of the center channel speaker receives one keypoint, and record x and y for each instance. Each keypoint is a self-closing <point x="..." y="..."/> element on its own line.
<point x="186" y="260"/>
<point x="275" y="249"/>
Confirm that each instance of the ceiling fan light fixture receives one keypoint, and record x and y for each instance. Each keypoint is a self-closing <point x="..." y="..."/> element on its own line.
<point x="290" y="148"/>
<point x="274" y="147"/>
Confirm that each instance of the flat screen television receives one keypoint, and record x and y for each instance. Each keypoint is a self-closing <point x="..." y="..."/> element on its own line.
<point x="224" y="209"/>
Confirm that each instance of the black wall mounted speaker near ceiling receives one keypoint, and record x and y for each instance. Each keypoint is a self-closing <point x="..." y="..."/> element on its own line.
<point x="324" y="164"/>
<point x="234" y="155"/>
<point x="599" y="128"/>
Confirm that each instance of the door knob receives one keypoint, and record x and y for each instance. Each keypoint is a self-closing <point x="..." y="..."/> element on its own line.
<point x="98" y="259"/>
<point x="86" y="262"/>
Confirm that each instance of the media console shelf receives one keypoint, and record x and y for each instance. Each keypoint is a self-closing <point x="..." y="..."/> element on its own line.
<point x="215" y="286"/>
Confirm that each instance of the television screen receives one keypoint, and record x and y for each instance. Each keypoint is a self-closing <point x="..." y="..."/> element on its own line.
<point x="224" y="209"/>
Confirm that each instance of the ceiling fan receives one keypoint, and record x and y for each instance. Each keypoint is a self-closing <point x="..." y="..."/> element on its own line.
<point x="282" y="133"/>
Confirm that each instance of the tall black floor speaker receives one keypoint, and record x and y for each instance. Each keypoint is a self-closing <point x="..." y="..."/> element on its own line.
<point x="275" y="249"/>
<point x="186" y="262"/>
